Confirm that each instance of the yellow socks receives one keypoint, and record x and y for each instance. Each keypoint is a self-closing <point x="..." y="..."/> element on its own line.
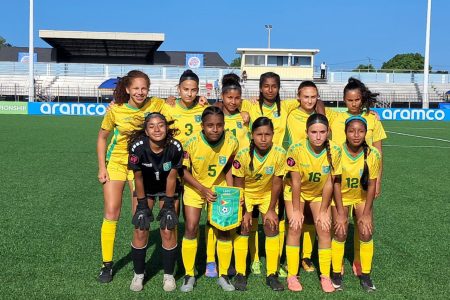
<point x="293" y="259"/>
<point x="272" y="254"/>
<point x="189" y="251"/>
<point x="366" y="251"/>
<point x="211" y="239"/>
<point x="253" y="241"/>
<point x="108" y="235"/>
<point x="224" y="252"/>
<point x="309" y="238"/>
<point x="337" y="255"/>
<point x="325" y="261"/>
<point x="281" y="229"/>
<point x="240" y="253"/>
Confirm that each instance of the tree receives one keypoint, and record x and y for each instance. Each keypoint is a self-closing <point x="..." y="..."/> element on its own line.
<point x="361" y="67"/>
<point x="236" y="62"/>
<point x="407" y="61"/>
<point x="3" y="43"/>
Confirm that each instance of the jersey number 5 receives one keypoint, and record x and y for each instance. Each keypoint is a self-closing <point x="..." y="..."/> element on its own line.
<point x="212" y="170"/>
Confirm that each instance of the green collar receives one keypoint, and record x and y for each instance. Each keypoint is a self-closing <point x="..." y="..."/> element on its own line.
<point x="213" y="145"/>
<point x="310" y="149"/>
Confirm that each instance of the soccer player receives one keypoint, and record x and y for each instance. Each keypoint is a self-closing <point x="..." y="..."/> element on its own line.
<point x="207" y="161"/>
<point x="308" y="96"/>
<point x="259" y="169"/>
<point x="312" y="166"/>
<point x="270" y="105"/>
<point x="360" y="168"/>
<point x="358" y="99"/>
<point x="156" y="159"/>
<point x="121" y="119"/>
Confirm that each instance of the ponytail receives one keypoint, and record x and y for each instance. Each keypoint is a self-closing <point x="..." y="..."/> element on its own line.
<point x="327" y="147"/>
<point x="120" y="94"/>
<point x="252" y="154"/>
<point x="365" y="174"/>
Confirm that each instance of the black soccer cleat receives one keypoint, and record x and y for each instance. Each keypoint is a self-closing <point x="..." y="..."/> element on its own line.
<point x="366" y="283"/>
<point x="336" y="281"/>
<point x="106" y="273"/>
<point x="240" y="282"/>
<point x="273" y="282"/>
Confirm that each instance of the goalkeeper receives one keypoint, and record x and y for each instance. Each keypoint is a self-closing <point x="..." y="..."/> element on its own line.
<point x="156" y="159"/>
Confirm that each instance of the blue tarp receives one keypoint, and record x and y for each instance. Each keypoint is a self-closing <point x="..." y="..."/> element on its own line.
<point x="109" y="84"/>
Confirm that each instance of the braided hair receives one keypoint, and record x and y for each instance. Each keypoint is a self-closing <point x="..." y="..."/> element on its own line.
<point x="261" y="121"/>
<point x="321" y="119"/>
<point x="364" y="180"/>
<point x="367" y="97"/>
<point x="120" y="94"/>
<point x="262" y="79"/>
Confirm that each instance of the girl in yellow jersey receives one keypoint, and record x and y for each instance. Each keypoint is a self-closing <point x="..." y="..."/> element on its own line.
<point x="121" y="119"/>
<point x="358" y="99"/>
<point x="270" y="105"/>
<point x="312" y="165"/>
<point x="360" y="168"/>
<point x="207" y="160"/>
<point x="259" y="169"/>
<point x="308" y="95"/>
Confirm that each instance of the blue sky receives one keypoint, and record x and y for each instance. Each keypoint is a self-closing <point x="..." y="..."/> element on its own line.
<point x="346" y="32"/>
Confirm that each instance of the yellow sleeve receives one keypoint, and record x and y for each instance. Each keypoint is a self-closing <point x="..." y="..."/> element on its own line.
<point x="292" y="162"/>
<point x="188" y="148"/>
<point x="280" y="167"/>
<point x="374" y="163"/>
<point x="239" y="163"/>
<point x="108" y="122"/>
<point x="378" y="131"/>
<point x="246" y="105"/>
<point x="291" y="104"/>
<point x="330" y="114"/>
<point x="336" y="153"/>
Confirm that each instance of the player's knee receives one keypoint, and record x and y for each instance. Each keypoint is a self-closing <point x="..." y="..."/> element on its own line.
<point x="191" y="230"/>
<point x="294" y="233"/>
<point x="365" y="237"/>
<point x="270" y="231"/>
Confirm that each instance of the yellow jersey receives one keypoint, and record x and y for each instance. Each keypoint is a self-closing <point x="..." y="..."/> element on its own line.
<point x="122" y="120"/>
<point x="296" y="126"/>
<point x="278" y="120"/>
<point x="235" y="124"/>
<point x="375" y="130"/>
<point x="258" y="183"/>
<point x="352" y="169"/>
<point x="206" y="161"/>
<point x="187" y="120"/>
<point x="313" y="168"/>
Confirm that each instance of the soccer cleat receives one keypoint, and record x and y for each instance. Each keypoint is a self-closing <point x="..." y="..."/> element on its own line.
<point x="294" y="284"/>
<point x="366" y="283"/>
<point x="225" y="284"/>
<point x="256" y="267"/>
<point x="336" y="281"/>
<point x="274" y="283"/>
<point x="326" y="284"/>
<point x="211" y="270"/>
<point x="240" y="282"/>
<point x="106" y="274"/>
<point x="231" y="271"/>
<point x="188" y="284"/>
<point x="169" y="284"/>
<point x="307" y="265"/>
<point x="357" y="270"/>
<point x="282" y="273"/>
<point x="137" y="284"/>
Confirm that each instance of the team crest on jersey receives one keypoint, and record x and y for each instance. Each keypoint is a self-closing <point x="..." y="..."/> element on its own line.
<point x="239" y="124"/>
<point x="269" y="170"/>
<point x="275" y="114"/>
<point x="236" y="164"/>
<point x="134" y="159"/>
<point x="290" y="162"/>
<point x="222" y="160"/>
<point x="167" y="166"/>
<point x="198" y="118"/>
<point x="325" y="169"/>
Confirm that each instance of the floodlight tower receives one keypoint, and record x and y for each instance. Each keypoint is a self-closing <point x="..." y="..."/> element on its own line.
<point x="31" y="56"/>
<point x="269" y="28"/>
<point x="426" y="100"/>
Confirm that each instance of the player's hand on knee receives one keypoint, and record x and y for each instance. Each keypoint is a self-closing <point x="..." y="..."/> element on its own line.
<point x="167" y="217"/>
<point x="143" y="215"/>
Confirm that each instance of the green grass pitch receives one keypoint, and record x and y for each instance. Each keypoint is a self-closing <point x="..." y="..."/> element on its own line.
<point x="51" y="212"/>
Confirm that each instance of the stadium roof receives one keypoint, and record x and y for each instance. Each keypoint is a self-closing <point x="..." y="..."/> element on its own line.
<point x="102" y="44"/>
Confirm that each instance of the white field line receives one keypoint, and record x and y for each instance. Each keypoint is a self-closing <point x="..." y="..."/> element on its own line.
<point x="403" y="146"/>
<point x="419" y="136"/>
